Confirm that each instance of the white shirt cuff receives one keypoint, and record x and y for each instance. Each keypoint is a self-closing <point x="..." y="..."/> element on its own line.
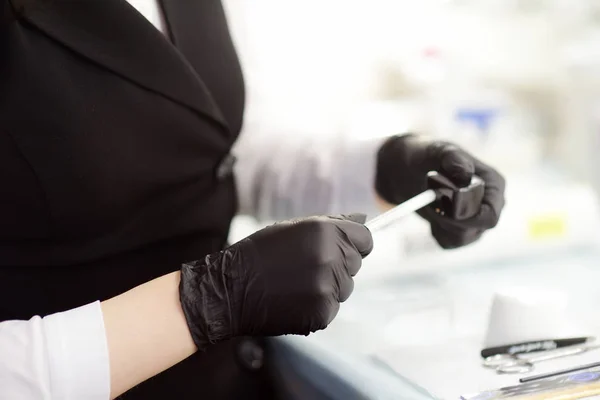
<point x="78" y="354"/>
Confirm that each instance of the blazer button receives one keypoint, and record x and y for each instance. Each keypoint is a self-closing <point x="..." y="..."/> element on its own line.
<point x="225" y="167"/>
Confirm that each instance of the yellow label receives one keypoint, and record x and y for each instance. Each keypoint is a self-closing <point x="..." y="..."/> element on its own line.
<point x="547" y="226"/>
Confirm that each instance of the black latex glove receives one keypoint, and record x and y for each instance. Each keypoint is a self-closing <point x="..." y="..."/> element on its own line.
<point x="288" y="278"/>
<point x="402" y="166"/>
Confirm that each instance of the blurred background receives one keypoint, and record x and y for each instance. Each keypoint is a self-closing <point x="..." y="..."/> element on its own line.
<point x="516" y="82"/>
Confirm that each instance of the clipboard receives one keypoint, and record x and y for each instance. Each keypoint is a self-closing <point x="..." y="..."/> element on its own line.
<point x="582" y="385"/>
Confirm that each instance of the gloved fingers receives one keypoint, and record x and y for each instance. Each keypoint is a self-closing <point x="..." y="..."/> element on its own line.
<point x="493" y="200"/>
<point x="495" y="186"/>
<point x="486" y="218"/>
<point x="491" y="205"/>
<point x="356" y="234"/>
<point x="330" y="312"/>
<point x="352" y="258"/>
<point x="344" y="271"/>
<point x="359" y="218"/>
<point x="452" y="238"/>
<point x="346" y="288"/>
<point x="450" y="161"/>
<point x="324" y="312"/>
<point x="457" y="166"/>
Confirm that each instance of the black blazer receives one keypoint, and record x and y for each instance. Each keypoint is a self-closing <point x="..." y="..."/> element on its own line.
<point x="114" y="165"/>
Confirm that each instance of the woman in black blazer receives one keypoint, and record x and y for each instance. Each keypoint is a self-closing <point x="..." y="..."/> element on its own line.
<point x="115" y="163"/>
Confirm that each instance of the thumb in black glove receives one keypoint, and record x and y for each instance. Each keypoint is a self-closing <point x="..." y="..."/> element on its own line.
<point x="288" y="278"/>
<point x="402" y="166"/>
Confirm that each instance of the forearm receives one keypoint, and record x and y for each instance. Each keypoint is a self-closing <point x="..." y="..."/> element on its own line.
<point x="146" y="332"/>
<point x="282" y="176"/>
<point x="96" y="351"/>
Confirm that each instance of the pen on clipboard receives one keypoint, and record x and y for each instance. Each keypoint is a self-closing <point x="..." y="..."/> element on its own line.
<point x="534" y="346"/>
<point x="448" y="199"/>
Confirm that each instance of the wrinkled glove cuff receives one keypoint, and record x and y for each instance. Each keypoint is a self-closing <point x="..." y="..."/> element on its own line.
<point x="203" y="293"/>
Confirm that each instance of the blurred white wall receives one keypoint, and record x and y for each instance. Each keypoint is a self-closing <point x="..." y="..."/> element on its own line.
<point x="377" y="67"/>
<point x="368" y="67"/>
<point x="332" y="53"/>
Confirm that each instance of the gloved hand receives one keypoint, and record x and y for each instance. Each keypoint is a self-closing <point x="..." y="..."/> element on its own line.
<point x="402" y="166"/>
<point x="288" y="278"/>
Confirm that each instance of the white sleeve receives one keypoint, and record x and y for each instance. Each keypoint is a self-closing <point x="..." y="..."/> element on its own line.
<point x="282" y="174"/>
<point x="63" y="356"/>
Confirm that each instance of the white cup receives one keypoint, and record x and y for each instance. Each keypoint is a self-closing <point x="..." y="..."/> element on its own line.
<point x="529" y="314"/>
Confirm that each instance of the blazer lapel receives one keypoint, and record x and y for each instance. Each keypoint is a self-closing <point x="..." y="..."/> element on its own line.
<point x="114" y="35"/>
<point x="198" y="28"/>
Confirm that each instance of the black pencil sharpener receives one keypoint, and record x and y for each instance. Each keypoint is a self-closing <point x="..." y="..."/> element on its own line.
<point x="455" y="202"/>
